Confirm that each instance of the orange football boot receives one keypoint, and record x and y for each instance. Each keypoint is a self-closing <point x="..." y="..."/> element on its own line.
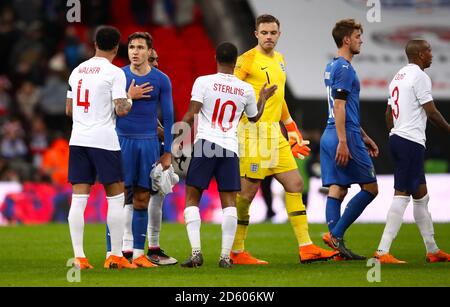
<point x="327" y="240"/>
<point x="310" y="253"/>
<point x="144" y="262"/>
<point x="387" y="258"/>
<point x="440" y="256"/>
<point x="245" y="258"/>
<point x="82" y="263"/>
<point x="116" y="262"/>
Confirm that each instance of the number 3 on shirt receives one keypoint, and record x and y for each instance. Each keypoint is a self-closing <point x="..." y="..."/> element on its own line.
<point x="395" y="95"/>
<point x="222" y="113"/>
<point x="84" y="103"/>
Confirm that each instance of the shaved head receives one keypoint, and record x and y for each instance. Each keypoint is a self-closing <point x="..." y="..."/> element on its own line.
<point x="414" y="47"/>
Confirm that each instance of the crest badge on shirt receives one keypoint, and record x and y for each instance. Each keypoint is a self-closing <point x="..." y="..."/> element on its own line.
<point x="254" y="167"/>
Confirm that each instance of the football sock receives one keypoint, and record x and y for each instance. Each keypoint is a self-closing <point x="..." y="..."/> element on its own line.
<point x="243" y="218"/>
<point x="353" y="210"/>
<point x="297" y="216"/>
<point x="424" y="222"/>
<point x="127" y="243"/>
<point x="140" y="221"/>
<point x="332" y="212"/>
<point x="229" y="225"/>
<point x="76" y="223"/>
<point x="155" y="217"/>
<point x="193" y="223"/>
<point x="393" y="223"/>
<point x="115" y="221"/>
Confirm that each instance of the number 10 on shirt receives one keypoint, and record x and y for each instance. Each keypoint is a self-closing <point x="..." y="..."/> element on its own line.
<point x="222" y="114"/>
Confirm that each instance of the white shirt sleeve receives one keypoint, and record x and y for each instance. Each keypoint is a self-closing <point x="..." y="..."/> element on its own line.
<point x="422" y="88"/>
<point x="198" y="91"/>
<point x="251" y="109"/>
<point x="119" y="84"/>
<point x="69" y="92"/>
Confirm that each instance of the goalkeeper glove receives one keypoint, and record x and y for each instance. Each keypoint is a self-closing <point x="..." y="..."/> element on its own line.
<point x="298" y="145"/>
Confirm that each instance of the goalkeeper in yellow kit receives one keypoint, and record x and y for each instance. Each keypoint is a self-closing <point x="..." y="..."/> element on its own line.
<point x="263" y="149"/>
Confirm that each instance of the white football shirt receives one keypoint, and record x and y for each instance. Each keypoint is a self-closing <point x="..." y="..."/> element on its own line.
<point x="224" y="98"/>
<point x="94" y="84"/>
<point x="408" y="91"/>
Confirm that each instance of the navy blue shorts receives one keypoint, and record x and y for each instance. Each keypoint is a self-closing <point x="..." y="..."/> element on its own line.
<point x="223" y="165"/>
<point x="138" y="157"/>
<point x="86" y="163"/>
<point x="358" y="170"/>
<point x="408" y="158"/>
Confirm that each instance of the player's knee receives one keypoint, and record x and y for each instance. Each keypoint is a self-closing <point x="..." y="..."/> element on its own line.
<point x="295" y="185"/>
<point x="372" y="188"/>
<point x="140" y="201"/>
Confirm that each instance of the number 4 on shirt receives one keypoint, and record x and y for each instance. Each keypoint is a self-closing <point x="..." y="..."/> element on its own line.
<point x="84" y="103"/>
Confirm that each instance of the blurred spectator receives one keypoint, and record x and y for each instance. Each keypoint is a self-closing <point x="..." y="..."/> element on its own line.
<point x="27" y="98"/>
<point x="54" y="93"/>
<point x="142" y="11"/>
<point x="28" y="54"/>
<point x="96" y="12"/>
<point x="9" y="34"/>
<point x="176" y="13"/>
<point x="28" y="11"/>
<point x="38" y="140"/>
<point x="74" y="50"/>
<point x="13" y="145"/>
<point x="5" y="98"/>
<point x="55" y="161"/>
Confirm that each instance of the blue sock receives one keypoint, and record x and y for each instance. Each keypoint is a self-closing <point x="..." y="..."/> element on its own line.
<point x="354" y="209"/>
<point x="333" y="212"/>
<point x="108" y="240"/>
<point x="139" y="225"/>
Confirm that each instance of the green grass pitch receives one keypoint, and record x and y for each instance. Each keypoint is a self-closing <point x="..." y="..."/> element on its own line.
<point x="37" y="256"/>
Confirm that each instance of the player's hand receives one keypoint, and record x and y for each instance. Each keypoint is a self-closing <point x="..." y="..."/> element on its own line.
<point x="342" y="154"/>
<point x="268" y="92"/>
<point x="139" y="91"/>
<point x="165" y="160"/>
<point x="300" y="150"/>
<point x="371" y="146"/>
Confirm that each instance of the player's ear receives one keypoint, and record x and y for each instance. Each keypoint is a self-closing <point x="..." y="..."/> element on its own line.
<point x="256" y="34"/>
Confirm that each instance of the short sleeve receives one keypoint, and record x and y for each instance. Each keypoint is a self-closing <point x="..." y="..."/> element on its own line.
<point x="422" y="88"/>
<point x="343" y="78"/>
<point x="198" y="91"/>
<point x="251" y="110"/>
<point x="119" y="84"/>
<point x="69" y="91"/>
<point x="69" y="94"/>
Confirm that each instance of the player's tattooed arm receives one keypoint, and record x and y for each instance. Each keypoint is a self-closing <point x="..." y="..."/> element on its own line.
<point x="122" y="106"/>
<point x="69" y="107"/>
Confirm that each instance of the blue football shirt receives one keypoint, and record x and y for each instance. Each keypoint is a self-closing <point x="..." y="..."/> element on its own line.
<point x="340" y="76"/>
<point x="141" y="121"/>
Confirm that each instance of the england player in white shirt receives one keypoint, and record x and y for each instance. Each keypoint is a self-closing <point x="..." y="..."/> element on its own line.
<point x="96" y="94"/>
<point x="410" y="105"/>
<point x="219" y="101"/>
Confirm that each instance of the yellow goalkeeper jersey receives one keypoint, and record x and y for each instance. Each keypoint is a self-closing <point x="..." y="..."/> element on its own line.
<point x="257" y="68"/>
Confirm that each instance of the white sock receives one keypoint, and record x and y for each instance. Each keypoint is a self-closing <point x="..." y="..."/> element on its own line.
<point x="76" y="223"/>
<point x="193" y="222"/>
<point x="229" y="225"/>
<point x="154" y="219"/>
<point x="424" y="222"/>
<point x="116" y="222"/>
<point x="394" y="221"/>
<point x="127" y="242"/>
<point x="137" y="253"/>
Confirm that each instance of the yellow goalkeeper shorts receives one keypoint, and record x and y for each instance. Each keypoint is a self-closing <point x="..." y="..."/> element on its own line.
<point x="260" y="158"/>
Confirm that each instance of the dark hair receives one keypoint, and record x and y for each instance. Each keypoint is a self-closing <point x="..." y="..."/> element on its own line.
<point x="107" y="38"/>
<point x="144" y="35"/>
<point x="266" y="18"/>
<point x="343" y="28"/>
<point x="414" y="47"/>
<point x="226" y="53"/>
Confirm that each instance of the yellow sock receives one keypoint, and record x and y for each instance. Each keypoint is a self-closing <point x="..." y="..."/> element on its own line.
<point x="297" y="216"/>
<point x="243" y="208"/>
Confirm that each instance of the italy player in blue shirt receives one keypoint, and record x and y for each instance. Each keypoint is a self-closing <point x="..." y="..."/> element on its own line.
<point x="138" y="135"/>
<point x="344" y="146"/>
